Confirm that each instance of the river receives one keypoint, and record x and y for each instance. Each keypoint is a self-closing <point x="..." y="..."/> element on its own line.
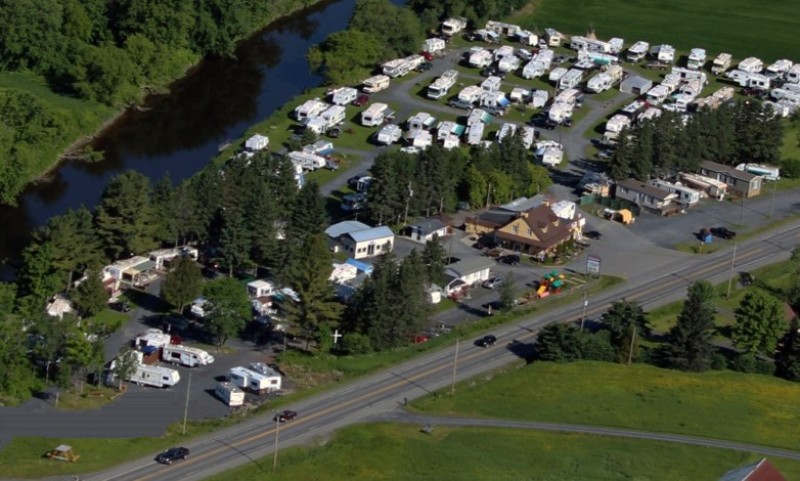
<point x="178" y="133"/>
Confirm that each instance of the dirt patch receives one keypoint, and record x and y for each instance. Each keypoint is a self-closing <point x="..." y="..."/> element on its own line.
<point x="304" y="378"/>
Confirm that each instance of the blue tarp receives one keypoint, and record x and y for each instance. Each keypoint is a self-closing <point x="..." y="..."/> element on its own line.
<point x="361" y="266"/>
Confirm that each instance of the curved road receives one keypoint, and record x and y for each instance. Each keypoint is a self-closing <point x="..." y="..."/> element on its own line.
<point x="383" y="392"/>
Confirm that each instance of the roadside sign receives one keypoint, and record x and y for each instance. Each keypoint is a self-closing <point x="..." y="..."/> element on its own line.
<point x="593" y="265"/>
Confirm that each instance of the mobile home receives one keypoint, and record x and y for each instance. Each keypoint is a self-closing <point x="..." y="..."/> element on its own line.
<point x="638" y="51"/>
<point x="343" y="95"/>
<point x="721" y="64"/>
<point x="155" y="376"/>
<point x="230" y="394"/>
<point x="375" y="84"/>
<point x="751" y="65"/>
<point x="186" y="356"/>
<point x="309" y="109"/>
<point x="686" y="195"/>
<point x="452" y="26"/>
<point x="571" y="79"/>
<point x="374" y="115"/>
<point x="697" y="59"/>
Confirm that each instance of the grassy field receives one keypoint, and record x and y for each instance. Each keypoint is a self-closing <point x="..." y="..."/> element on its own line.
<point x="720" y="404"/>
<point x="401" y="452"/>
<point x="766" y="29"/>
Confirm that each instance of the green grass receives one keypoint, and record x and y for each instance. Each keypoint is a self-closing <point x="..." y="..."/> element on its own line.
<point x="401" y="452"/>
<point x="110" y="319"/>
<point x="722" y="404"/>
<point x="790" y="149"/>
<point x="767" y="29"/>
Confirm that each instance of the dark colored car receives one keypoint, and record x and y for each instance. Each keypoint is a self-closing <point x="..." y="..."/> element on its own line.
<point x="284" y="416"/>
<point x="361" y="100"/>
<point x="510" y="259"/>
<point x="486" y="341"/>
<point x="335" y="132"/>
<point x="425" y="66"/>
<point x="121" y="306"/>
<point x="592" y="234"/>
<point x="493" y="283"/>
<point x="723" y="233"/>
<point x="172" y="454"/>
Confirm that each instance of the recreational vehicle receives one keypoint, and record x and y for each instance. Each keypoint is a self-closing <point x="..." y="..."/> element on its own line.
<point x="524" y="54"/>
<point x="604" y="80"/>
<point x="491" y="84"/>
<point x="441" y="86"/>
<point x="186" y="356"/>
<point x="663" y="53"/>
<point x="539" y="98"/>
<point x="375" y="84"/>
<point x="477" y="116"/>
<point x="396" y="68"/>
<point x="475" y="133"/>
<point x="751" y="65"/>
<point x="503" y="52"/>
<point x="343" y="95"/>
<point x="721" y="64"/>
<point x="778" y="69"/>
<point x="534" y="69"/>
<point x="256" y="382"/>
<point x="686" y="75"/>
<point x="309" y="109"/>
<point x="638" y="51"/>
<point x="758" y="81"/>
<point x="559" y="113"/>
<point x="556" y="74"/>
<point x="307" y="161"/>
<point x="697" y="58"/>
<point x="503" y="28"/>
<point x="508" y="64"/>
<point x="480" y="58"/>
<point x="374" y="115"/>
<point x="589" y="60"/>
<point x="448" y="129"/>
<point x="519" y="94"/>
<point x="155" y="376"/>
<point x="615" y="125"/>
<point x="433" y="45"/>
<point x="657" y="94"/>
<point x="579" y="43"/>
<point x="554" y="38"/>
<point x="421" y="121"/>
<point x="230" y="394"/>
<point x="528" y="38"/>
<point x="571" y="79"/>
<point x="494" y="101"/>
<point x="767" y="171"/>
<point x="617" y="45"/>
<point x="633" y="108"/>
<point x="452" y="26"/>
<point x="152" y="338"/>
<point x="470" y="94"/>
<point x="793" y="74"/>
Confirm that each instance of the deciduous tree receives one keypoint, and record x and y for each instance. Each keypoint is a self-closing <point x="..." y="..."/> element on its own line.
<point x="758" y="323"/>
<point x="228" y="308"/>
<point x="91" y="296"/>
<point x="183" y="283"/>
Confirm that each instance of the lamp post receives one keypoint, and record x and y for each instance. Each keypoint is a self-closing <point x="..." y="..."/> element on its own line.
<point x="455" y="366"/>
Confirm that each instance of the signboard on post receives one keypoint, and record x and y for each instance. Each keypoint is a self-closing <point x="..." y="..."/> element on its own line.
<point x="593" y="265"/>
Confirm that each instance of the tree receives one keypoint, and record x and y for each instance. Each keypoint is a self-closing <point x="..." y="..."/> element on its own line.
<point x="435" y="258"/>
<point x="355" y="343"/>
<point x="308" y="216"/>
<point x="125" y="365"/>
<point x="125" y="219"/>
<point x="183" y="283"/>
<point x="344" y="52"/>
<point x="758" y="323"/>
<point x="309" y="277"/>
<point x="91" y="296"/>
<point x="397" y="27"/>
<point x="794" y="277"/>
<point x="508" y="298"/>
<point x="787" y="355"/>
<point x="626" y="321"/>
<point x="689" y="340"/>
<point x="559" y="342"/>
<point x="79" y="353"/>
<point x="228" y="308"/>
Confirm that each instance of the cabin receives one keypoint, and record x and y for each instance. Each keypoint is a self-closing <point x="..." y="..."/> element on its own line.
<point x="644" y="195"/>
<point x="536" y="232"/>
<point x="742" y="183"/>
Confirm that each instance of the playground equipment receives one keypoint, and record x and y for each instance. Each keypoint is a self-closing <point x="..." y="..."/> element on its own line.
<point x="551" y="283"/>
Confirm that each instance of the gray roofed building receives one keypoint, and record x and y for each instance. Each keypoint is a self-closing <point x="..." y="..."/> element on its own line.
<point x="426" y="229"/>
<point x="345" y="227"/>
<point x="524" y="204"/>
<point x="636" y="85"/>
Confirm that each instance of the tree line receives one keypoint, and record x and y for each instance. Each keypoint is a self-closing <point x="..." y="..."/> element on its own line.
<point x="761" y="338"/>
<point x="432" y="12"/>
<point x="741" y="131"/>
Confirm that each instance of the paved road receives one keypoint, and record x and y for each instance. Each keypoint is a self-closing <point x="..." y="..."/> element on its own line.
<point x="381" y="392"/>
<point x="400" y="416"/>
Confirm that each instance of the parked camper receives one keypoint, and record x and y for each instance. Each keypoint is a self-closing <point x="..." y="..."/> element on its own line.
<point x="441" y="86"/>
<point x="721" y="64"/>
<point x="615" y="126"/>
<point x="395" y="68"/>
<point x="470" y="95"/>
<point x="309" y="109"/>
<point x="155" y="376"/>
<point x="152" y="338"/>
<point x="452" y="26"/>
<point x="343" y="95"/>
<point x="559" y="113"/>
<point x="663" y="53"/>
<point x="503" y="28"/>
<point x="389" y="134"/>
<point x="508" y="64"/>
<point x="751" y="65"/>
<point x="554" y="38"/>
<point x="571" y="79"/>
<point x="433" y="45"/>
<point x="491" y="84"/>
<point x="604" y="80"/>
<point x="579" y="43"/>
<point x="503" y="52"/>
<point x="638" y="51"/>
<point x="697" y="59"/>
<point x="539" y="98"/>
<point x="617" y="45"/>
<point x="307" y="161"/>
<point x="198" y="308"/>
<point x="758" y="82"/>
<point x="250" y="380"/>
<point x="230" y="394"/>
<point x="480" y="58"/>
<point x="519" y="94"/>
<point x="556" y="74"/>
<point x="534" y="69"/>
<point x="793" y="74"/>
<point x="528" y="38"/>
<point x="778" y="69"/>
<point x="657" y="94"/>
<point x="374" y="115"/>
<point x="376" y="84"/>
<point x="186" y="356"/>
<point x="475" y="133"/>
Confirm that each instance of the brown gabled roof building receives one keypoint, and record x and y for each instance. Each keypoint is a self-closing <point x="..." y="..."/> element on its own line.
<point x="534" y="232"/>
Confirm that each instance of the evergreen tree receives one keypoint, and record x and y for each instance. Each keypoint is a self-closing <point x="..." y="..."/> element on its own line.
<point x="559" y="342"/>
<point x="183" y="283"/>
<point x="228" y="308"/>
<point x="794" y="278"/>
<point x="234" y="240"/>
<point x="689" y="340"/>
<point x="389" y="191"/>
<point x="91" y="296"/>
<point x="167" y="218"/>
<point x="626" y="321"/>
<point x="125" y="219"/>
<point x="434" y="257"/>
<point x="787" y="355"/>
<point x="758" y="323"/>
<point x="410" y="294"/>
<point x="508" y="298"/>
<point x="308" y="216"/>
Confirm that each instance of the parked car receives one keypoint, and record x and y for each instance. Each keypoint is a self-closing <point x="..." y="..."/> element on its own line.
<point x="334" y="132"/>
<point x="172" y="454"/>
<point x="486" y="341"/>
<point x="656" y="65"/>
<point x="592" y="234"/>
<point x="361" y="100"/>
<point x="493" y="283"/>
<point x="510" y="259"/>
<point x="284" y="416"/>
<point x="723" y="233"/>
<point x="120" y="306"/>
<point x="425" y="66"/>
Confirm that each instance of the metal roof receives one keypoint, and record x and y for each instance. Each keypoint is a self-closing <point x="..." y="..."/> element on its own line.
<point x="345" y="227"/>
<point x="370" y="234"/>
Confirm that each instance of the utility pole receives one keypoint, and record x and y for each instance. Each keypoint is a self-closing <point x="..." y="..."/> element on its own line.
<point x="741" y="211"/>
<point x="275" y="445"/>
<point x="730" y="277"/>
<point x="488" y="194"/>
<point x="772" y="200"/>
<point x="186" y="406"/>
<point x="583" y="315"/>
<point x="455" y="366"/>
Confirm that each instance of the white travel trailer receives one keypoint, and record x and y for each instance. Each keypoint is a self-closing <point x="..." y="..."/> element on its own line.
<point x="441" y="86"/>
<point x="687" y="75"/>
<point x="470" y="94"/>
<point x="556" y="74"/>
<point x="480" y="58"/>
<point x="375" y="84"/>
<point x="309" y="109"/>
<point x="389" y="134"/>
<point x="539" y="98"/>
<point x="257" y="382"/>
<point x="617" y="45"/>
<point x="152" y="338"/>
<point x="519" y="94"/>
<point x="534" y="69"/>
<point x="600" y="83"/>
<point x="553" y="37"/>
<point x="448" y="128"/>
<point x="663" y="53"/>
<point x="477" y="116"/>
<point x="559" y="112"/>
<point x="421" y="121"/>
<point x="503" y="28"/>
<point x="657" y="94"/>
<point x="571" y="79"/>
<point x="343" y="95"/>
<point x="333" y="116"/>
<point x="230" y="394"/>
<point x="452" y="26"/>
<point x="638" y="51"/>
<point x="491" y="84"/>
<point x="199" y="307"/>
<point x="494" y="101"/>
<point x="738" y="76"/>
<point x="508" y="64"/>
<point x="433" y="45"/>
<point x="155" y="376"/>
<point x="582" y="43"/>
<point x="751" y="65"/>
<point x="307" y="161"/>
<point x="396" y="68"/>
<point x="615" y="126"/>
<point x="503" y="52"/>
<point x="758" y="81"/>
<point x="374" y="115"/>
<point x="697" y="59"/>
<point x="778" y="69"/>
<point x="528" y="38"/>
<point x="475" y="133"/>
<point x="721" y="64"/>
<point x="186" y="356"/>
<point x="451" y="142"/>
<point x="793" y="74"/>
<point x="686" y="195"/>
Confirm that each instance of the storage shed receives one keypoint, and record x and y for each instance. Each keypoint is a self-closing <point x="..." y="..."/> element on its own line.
<point x="635" y="85"/>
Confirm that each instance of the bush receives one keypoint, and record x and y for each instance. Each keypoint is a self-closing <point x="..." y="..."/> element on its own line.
<point x="356" y="343"/>
<point x="751" y="364"/>
<point x="718" y="362"/>
<point x="790" y="168"/>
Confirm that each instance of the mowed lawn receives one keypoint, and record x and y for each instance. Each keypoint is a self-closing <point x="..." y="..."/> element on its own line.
<point x="766" y="29"/>
<point x="401" y="452"/>
<point x="720" y="404"/>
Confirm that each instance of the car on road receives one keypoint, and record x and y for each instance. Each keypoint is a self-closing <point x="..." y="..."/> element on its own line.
<point x="723" y="232"/>
<point x="284" y="416"/>
<point x="172" y="454"/>
<point x="509" y="259"/>
<point x="493" y="283"/>
<point x="486" y="341"/>
<point x="592" y="234"/>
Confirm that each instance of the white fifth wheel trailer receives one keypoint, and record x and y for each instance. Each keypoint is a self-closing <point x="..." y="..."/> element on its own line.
<point x="186" y="356"/>
<point x="155" y="376"/>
